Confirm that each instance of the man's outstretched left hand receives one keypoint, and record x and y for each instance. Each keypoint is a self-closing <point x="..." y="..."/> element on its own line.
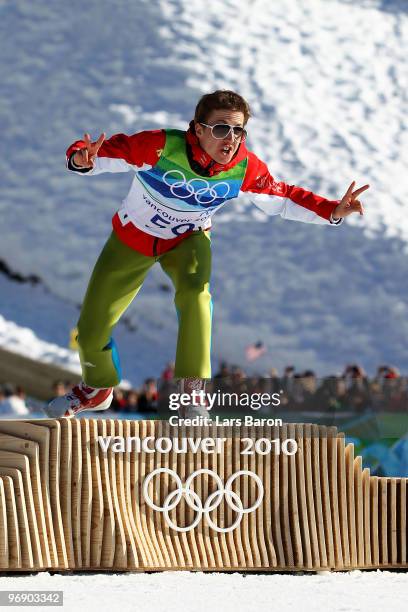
<point x="350" y="203"/>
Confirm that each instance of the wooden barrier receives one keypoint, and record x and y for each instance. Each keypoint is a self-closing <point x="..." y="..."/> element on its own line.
<point x="68" y="503"/>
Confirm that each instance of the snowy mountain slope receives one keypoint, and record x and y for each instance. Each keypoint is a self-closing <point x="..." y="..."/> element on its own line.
<point x="26" y="308"/>
<point x="327" y="84"/>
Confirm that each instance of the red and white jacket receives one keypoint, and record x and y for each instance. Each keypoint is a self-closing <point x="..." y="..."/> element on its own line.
<point x="121" y="153"/>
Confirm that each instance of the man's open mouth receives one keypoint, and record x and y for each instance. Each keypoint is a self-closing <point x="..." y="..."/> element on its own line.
<point x="226" y="150"/>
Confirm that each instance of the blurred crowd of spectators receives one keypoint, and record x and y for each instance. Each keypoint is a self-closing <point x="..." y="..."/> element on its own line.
<point x="352" y="390"/>
<point x="13" y="400"/>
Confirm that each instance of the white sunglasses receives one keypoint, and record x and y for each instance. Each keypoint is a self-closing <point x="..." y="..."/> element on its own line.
<point x="223" y="130"/>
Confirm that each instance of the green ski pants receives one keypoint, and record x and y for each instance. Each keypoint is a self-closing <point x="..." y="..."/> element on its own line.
<point x="116" y="279"/>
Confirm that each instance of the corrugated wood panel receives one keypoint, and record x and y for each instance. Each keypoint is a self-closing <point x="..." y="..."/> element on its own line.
<point x="68" y="503"/>
<point x="14" y="547"/>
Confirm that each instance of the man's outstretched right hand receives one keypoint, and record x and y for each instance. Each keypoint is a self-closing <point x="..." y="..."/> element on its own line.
<point x="84" y="157"/>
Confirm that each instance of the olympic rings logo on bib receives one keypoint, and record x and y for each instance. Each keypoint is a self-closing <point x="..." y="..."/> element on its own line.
<point x="179" y="188"/>
<point x="212" y="502"/>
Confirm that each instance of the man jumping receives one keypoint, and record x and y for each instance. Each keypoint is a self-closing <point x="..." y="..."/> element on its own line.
<point x="181" y="179"/>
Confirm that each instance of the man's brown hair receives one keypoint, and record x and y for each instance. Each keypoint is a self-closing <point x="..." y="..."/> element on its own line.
<point x="220" y="99"/>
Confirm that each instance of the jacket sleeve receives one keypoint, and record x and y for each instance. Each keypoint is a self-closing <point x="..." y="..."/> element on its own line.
<point x="288" y="201"/>
<point x="120" y="153"/>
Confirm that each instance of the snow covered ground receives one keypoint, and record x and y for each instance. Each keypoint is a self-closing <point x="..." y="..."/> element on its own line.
<point x="185" y="591"/>
<point x="327" y="82"/>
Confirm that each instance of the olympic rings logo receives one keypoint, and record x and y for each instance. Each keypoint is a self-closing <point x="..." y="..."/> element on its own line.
<point x="182" y="186"/>
<point x="193" y="500"/>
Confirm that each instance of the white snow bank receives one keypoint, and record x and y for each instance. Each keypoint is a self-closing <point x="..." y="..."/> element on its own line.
<point x="186" y="591"/>
<point x="24" y="341"/>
